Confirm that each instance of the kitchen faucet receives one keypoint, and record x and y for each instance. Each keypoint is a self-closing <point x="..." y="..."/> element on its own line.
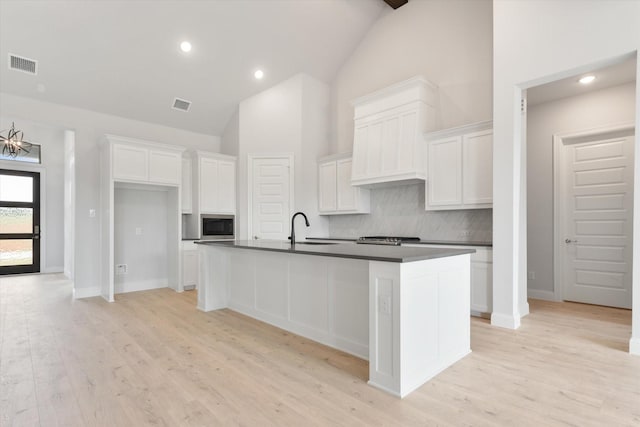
<point x="293" y="228"/>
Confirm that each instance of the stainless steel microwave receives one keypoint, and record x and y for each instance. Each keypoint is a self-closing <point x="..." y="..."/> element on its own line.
<point x="217" y="227"/>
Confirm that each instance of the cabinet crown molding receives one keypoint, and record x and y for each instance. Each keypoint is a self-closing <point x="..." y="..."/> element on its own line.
<point x="458" y="130"/>
<point x="414" y="90"/>
<point x="109" y="138"/>
<point x="213" y="155"/>
<point x="337" y="156"/>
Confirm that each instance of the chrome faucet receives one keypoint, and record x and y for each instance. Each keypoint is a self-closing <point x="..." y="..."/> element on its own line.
<point x="293" y="227"/>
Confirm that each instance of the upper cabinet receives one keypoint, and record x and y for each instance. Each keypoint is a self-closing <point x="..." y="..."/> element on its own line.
<point x="216" y="183"/>
<point x="336" y="195"/>
<point x="388" y="135"/>
<point x="460" y="168"/>
<point x="147" y="162"/>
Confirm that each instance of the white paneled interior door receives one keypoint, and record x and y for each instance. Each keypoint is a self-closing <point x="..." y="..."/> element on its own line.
<point x="271" y="190"/>
<point x="596" y="210"/>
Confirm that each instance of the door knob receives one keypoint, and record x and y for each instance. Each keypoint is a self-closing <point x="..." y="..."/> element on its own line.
<point x="255" y="238"/>
<point x="570" y="241"/>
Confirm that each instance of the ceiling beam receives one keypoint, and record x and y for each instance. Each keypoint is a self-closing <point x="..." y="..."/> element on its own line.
<point x="396" y="3"/>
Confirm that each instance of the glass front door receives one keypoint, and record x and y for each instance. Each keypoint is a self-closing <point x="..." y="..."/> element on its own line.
<point x="19" y="222"/>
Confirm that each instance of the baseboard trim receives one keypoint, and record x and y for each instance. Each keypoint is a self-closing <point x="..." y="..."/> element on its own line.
<point x="507" y="321"/>
<point x="142" y="285"/>
<point x="634" y="346"/>
<point x="541" y="294"/>
<point x="53" y="270"/>
<point x="79" y="293"/>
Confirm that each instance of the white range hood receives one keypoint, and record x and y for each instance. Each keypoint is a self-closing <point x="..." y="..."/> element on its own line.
<point x="388" y="146"/>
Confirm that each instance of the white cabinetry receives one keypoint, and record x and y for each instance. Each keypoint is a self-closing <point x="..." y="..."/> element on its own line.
<point x="481" y="277"/>
<point x="460" y="168"/>
<point x="213" y="188"/>
<point x="187" y="186"/>
<point x="141" y="161"/>
<point x="132" y="165"/>
<point x="217" y="184"/>
<point x="388" y="144"/>
<point x="336" y="195"/>
<point x="190" y="265"/>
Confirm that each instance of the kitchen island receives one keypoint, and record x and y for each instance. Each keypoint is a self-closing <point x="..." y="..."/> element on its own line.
<point x="406" y="310"/>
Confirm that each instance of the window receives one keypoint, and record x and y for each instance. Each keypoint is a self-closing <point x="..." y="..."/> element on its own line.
<point x="33" y="156"/>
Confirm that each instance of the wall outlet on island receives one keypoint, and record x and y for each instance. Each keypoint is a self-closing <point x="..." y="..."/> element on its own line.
<point x="384" y="304"/>
<point x="121" y="269"/>
<point x="465" y="233"/>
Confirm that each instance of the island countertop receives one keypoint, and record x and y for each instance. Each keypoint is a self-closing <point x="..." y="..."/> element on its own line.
<point x="397" y="254"/>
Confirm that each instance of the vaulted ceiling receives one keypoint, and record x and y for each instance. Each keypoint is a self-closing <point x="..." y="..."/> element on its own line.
<point x="123" y="57"/>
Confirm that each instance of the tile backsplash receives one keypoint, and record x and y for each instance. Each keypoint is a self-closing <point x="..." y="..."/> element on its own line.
<point x="399" y="211"/>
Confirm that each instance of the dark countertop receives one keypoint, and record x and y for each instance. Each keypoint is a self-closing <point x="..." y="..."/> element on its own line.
<point x="421" y="242"/>
<point x="367" y="252"/>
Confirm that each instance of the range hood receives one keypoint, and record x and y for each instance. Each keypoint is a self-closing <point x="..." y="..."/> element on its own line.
<point x="388" y="146"/>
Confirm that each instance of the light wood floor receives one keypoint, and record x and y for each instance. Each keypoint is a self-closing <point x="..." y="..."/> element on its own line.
<point x="152" y="358"/>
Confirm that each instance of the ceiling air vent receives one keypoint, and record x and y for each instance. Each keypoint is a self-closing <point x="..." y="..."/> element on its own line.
<point x="20" y="63"/>
<point x="181" y="104"/>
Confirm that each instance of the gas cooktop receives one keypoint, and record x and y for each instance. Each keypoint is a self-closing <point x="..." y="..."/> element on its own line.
<point x="386" y="240"/>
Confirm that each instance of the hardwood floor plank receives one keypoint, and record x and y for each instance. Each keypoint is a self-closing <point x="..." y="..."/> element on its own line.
<point x="151" y="358"/>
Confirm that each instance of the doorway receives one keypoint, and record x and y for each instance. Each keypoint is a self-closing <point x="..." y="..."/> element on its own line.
<point x="593" y="200"/>
<point x="270" y="196"/>
<point x="579" y="186"/>
<point x="19" y="222"/>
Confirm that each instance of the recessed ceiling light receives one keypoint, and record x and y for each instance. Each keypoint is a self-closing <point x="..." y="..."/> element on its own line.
<point x="259" y="74"/>
<point x="185" y="46"/>
<point x="587" y="79"/>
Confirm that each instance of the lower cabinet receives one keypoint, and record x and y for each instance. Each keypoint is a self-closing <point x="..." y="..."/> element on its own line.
<point x="190" y="265"/>
<point x="481" y="278"/>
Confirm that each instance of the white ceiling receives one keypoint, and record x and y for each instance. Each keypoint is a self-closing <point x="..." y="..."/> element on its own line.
<point x="123" y="57"/>
<point x="613" y="75"/>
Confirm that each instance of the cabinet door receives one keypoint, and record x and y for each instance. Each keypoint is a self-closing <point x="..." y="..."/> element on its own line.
<point x="226" y="186"/>
<point x="187" y="187"/>
<point x="477" y="172"/>
<point x="130" y="163"/>
<point x="164" y="167"/>
<point x="481" y="287"/>
<point x="444" y="185"/>
<point x="347" y="194"/>
<point x="190" y="268"/>
<point x="360" y="152"/>
<point x="327" y="186"/>
<point x="208" y="185"/>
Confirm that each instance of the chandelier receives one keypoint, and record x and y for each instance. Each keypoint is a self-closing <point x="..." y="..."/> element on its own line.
<point x="12" y="143"/>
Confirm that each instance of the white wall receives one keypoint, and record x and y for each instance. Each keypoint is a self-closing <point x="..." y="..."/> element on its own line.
<point x="600" y="108"/>
<point x="447" y="41"/>
<point x="537" y="41"/>
<point x="51" y="139"/>
<point x="230" y="137"/>
<point x="89" y="128"/>
<point x="291" y="117"/>
<point x="69" y="202"/>
<point x="145" y="254"/>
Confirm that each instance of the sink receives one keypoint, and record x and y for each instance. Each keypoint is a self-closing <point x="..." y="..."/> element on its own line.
<point x="315" y="243"/>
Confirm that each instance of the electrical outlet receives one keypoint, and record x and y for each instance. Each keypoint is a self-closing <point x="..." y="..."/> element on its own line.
<point x="121" y="269"/>
<point x="92" y="213"/>
<point x="138" y="231"/>
<point x="465" y="233"/>
<point x="531" y="275"/>
<point x="384" y="304"/>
